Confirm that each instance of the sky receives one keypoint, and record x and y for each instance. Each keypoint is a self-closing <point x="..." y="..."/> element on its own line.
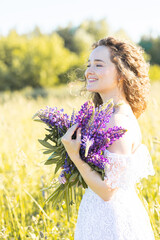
<point x="136" y="17"/>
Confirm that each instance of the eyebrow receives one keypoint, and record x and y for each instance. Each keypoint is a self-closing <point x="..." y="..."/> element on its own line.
<point x="97" y="60"/>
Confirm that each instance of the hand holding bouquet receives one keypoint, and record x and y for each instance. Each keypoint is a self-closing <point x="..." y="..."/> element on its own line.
<point x="84" y="134"/>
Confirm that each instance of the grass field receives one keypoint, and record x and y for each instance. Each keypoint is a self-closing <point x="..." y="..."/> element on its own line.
<point x="22" y="175"/>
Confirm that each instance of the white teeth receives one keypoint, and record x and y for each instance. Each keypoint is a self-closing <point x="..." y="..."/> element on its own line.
<point x="91" y="79"/>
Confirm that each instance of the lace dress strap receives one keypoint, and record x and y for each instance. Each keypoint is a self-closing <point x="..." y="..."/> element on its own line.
<point x="126" y="170"/>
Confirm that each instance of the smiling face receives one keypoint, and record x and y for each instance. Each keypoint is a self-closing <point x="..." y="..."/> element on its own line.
<point x="101" y="73"/>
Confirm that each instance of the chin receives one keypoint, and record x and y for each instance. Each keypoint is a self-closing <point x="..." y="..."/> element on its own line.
<point x="91" y="89"/>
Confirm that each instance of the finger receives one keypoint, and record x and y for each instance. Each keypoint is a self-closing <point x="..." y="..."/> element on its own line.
<point x="64" y="180"/>
<point x="59" y="179"/>
<point x="74" y="125"/>
<point x="67" y="136"/>
<point x="71" y="130"/>
<point x="79" y="135"/>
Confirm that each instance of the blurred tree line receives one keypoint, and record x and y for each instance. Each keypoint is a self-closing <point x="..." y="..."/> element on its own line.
<point x="45" y="60"/>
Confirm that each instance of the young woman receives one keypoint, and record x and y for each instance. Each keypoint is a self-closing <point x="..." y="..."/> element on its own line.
<point x="111" y="209"/>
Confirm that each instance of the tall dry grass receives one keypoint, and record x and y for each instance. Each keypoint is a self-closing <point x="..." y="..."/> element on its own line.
<point x="22" y="173"/>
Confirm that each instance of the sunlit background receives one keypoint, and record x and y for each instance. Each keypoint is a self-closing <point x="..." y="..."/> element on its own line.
<point x="136" y="18"/>
<point x="44" y="46"/>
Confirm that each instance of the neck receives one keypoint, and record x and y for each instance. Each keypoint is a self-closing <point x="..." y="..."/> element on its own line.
<point x="115" y="94"/>
<point x="118" y="98"/>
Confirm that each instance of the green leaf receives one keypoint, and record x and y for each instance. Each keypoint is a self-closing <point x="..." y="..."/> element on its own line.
<point x="46" y="144"/>
<point x="57" y="167"/>
<point x="50" y="161"/>
<point x="55" y="156"/>
<point x="48" y="151"/>
<point x="74" y="191"/>
<point x="59" y="141"/>
<point x="75" y="181"/>
<point x="54" y="194"/>
<point x="59" y="196"/>
<point x="35" y="115"/>
<point x="79" y="184"/>
<point x="44" y="189"/>
<point x="84" y="183"/>
<point x="71" y="196"/>
<point x="49" y="130"/>
<point x="73" y="176"/>
<point x="67" y="201"/>
<point x="80" y="178"/>
<point x="38" y="120"/>
<point x="46" y="137"/>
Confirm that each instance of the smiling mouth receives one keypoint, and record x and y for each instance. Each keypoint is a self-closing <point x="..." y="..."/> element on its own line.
<point x="92" y="80"/>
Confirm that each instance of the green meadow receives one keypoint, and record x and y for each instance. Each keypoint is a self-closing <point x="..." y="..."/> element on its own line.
<point x="23" y="174"/>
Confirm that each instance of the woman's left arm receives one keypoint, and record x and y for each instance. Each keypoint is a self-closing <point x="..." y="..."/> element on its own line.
<point x="92" y="178"/>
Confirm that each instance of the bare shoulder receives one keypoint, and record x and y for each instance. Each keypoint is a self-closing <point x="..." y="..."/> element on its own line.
<point x="125" y="144"/>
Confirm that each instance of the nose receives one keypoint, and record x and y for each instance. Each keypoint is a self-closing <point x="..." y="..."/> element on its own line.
<point x="89" y="71"/>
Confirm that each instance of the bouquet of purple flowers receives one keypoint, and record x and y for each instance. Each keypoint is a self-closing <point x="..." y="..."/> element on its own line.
<point x="95" y="138"/>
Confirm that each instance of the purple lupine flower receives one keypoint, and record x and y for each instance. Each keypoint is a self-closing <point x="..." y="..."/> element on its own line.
<point x="95" y="137"/>
<point x="84" y="114"/>
<point x="67" y="165"/>
<point x="97" y="159"/>
<point x="87" y="143"/>
<point x="54" y="118"/>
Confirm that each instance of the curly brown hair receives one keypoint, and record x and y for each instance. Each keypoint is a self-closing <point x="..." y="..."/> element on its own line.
<point x="132" y="70"/>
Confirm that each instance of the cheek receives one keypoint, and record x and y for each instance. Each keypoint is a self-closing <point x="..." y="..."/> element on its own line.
<point x="103" y="73"/>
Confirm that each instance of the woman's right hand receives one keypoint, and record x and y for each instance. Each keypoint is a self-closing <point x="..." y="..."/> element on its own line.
<point x="62" y="178"/>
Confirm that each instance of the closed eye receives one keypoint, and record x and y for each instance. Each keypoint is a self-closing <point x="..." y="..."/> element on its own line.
<point x="98" y="65"/>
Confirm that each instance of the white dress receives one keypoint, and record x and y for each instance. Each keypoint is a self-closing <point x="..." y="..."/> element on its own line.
<point x="123" y="217"/>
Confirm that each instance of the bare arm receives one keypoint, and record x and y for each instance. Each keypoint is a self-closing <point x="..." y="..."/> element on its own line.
<point x="93" y="179"/>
